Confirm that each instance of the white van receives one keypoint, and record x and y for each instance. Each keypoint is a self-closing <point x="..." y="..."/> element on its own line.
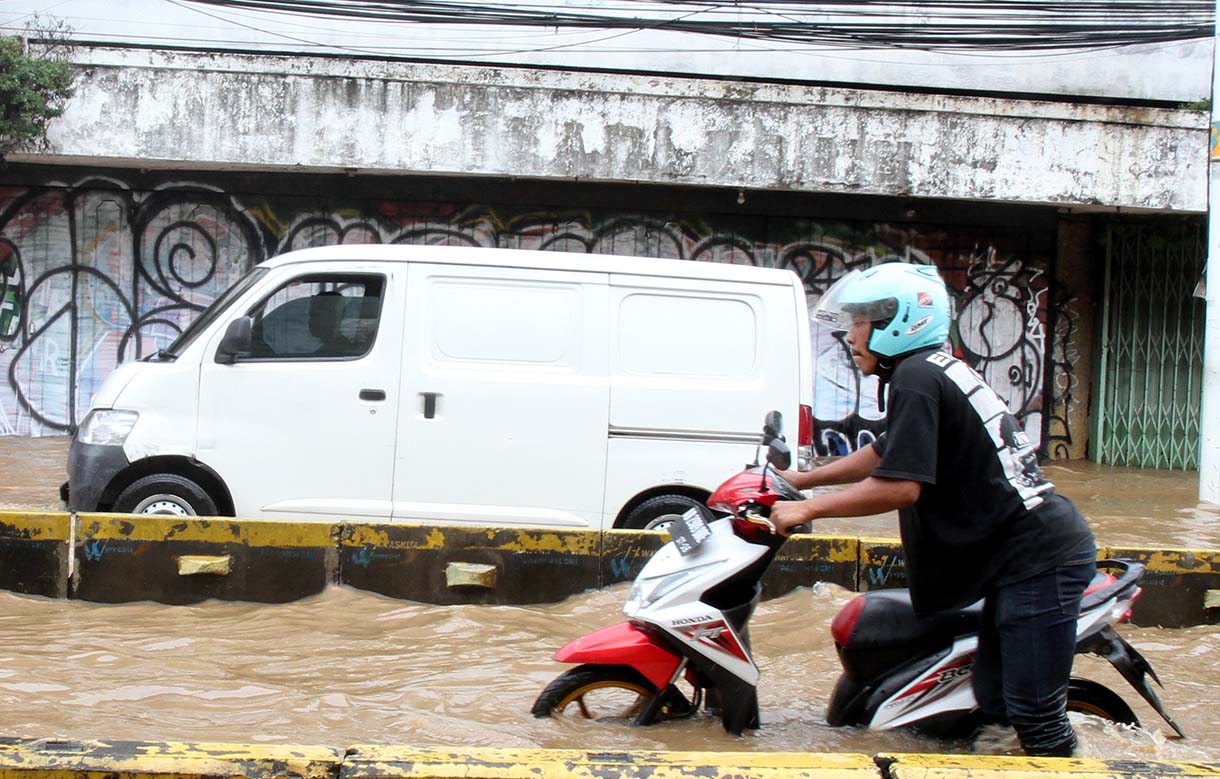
<point x="454" y="385"/>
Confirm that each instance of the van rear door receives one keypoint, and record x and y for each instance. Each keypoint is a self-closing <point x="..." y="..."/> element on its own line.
<point x="504" y="397"/>
<point x="695" y="366"/>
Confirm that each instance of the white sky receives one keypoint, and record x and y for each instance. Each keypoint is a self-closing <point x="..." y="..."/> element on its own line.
<point x="1180" y="72"/>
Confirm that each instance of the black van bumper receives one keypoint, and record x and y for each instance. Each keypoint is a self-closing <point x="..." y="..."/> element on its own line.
<point x="90" y="469"/>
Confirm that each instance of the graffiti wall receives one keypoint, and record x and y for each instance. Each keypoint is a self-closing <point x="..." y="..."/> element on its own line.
<point x="95" y="272"/>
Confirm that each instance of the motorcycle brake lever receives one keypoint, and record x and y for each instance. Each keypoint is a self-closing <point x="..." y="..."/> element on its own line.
<point x="759" y="519"/>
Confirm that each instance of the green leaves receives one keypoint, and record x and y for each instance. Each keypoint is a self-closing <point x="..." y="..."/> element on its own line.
<point x="34" y="90"/>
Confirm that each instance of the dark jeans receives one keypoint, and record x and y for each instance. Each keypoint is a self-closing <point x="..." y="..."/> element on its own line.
<point x="1026" y="646"/>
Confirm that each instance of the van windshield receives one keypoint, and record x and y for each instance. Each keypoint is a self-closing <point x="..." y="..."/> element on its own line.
<point x="213" y="311"/>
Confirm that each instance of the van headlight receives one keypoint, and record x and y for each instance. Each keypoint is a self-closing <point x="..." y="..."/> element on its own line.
<point x="106" y="427"/>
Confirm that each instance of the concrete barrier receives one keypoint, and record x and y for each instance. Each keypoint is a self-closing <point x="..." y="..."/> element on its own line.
<point x="34" y="552"/>
<point x="48" y="759"/>
<point x="391" y="762"/>
<point x="999" y="767"/>
<point x="1176" y="584"/>
<point x="446" y="564"/>
<point x="882" y="564"/>
<point x="63" y="759"/>
<point x="121" y="557"/>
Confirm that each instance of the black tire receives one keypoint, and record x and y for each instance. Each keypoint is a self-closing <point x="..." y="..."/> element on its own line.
<point x="601" y="692"/>
<point x="1089" y="697"/>
<point x="656" y="513"/>
<point x="166" y="494"/>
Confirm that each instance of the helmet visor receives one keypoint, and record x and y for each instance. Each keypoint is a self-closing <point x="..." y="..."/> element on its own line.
<point x="839" y="306"/>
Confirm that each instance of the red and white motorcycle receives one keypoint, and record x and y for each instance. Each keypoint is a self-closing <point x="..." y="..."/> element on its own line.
<point x="685" y="645"/>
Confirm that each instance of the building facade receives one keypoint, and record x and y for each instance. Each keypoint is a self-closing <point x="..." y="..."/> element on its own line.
<point x="1071" y="232"/>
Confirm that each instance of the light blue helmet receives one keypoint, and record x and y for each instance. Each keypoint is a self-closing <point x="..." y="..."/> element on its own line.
<point x="908" y="305"/>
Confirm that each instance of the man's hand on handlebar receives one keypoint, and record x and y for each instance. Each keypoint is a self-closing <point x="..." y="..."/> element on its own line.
<point x="786" y="515"/>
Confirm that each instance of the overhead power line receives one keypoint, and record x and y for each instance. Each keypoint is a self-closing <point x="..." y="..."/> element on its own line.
<point x="942" y="25"/>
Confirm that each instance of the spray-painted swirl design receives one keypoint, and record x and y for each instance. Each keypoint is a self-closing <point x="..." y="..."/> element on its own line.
<point x="95" y="273"/>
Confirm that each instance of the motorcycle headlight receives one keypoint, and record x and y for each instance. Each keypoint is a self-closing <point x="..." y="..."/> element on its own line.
<point x="646" y="592"/>
<point x="107" y="427"/>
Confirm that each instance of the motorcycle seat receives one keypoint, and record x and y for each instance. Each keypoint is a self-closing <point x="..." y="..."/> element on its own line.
<point x="888" y="619"/>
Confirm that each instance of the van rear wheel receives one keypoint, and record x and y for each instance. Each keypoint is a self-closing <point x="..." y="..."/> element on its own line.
<point x="166" y="494"/>
<point x="656" y="513"/>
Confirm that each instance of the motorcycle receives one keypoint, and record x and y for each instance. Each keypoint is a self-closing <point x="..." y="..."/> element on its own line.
<point x="685" y="646"/>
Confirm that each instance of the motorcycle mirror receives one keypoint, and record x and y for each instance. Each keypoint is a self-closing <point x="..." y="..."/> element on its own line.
<point x="773" y="427"/>
<point x="779" y="455"/>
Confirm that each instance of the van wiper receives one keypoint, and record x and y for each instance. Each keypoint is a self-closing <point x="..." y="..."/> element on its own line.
<point x="161" y="355"/>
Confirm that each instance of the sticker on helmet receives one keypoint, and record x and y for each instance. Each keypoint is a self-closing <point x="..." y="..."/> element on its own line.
<point x="925" y="300"/>
<point x="919" y="325"/>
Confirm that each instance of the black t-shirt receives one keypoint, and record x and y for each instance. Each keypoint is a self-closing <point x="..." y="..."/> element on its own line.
<point x="986" y="515"/>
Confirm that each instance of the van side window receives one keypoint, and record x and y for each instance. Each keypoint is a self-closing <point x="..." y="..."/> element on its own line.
<point x="319" y="316"/>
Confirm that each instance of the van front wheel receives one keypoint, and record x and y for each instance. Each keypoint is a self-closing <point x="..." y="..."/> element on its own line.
<point x="656" y="513"/>
<point x="166" y="494"/>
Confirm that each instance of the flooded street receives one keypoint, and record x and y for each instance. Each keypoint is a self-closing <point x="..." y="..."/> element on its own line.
<point x="348" y="667"/>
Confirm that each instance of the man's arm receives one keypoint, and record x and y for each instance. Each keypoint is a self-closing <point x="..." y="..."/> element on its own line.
<point x="854" y="467"/>
<point x="873" y="495"/>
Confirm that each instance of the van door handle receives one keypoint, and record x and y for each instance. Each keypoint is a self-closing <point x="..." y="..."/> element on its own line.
<point x="429" y="404"/>
<point x="372" y="394"/>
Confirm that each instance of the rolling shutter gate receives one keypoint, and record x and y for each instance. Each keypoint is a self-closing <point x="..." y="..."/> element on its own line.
<point x="1151" y="361"/>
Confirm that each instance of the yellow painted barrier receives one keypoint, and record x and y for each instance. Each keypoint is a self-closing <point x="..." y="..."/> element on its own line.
<point x="1175" y="583"/>
<point x="49" y="759"/>
<point x="34" y="554"/>
<point x="1001" y="767"/>
<point x="46" y="759"/>
<point x="390" y="762"/>
<point x="469" y="564"/>
<point x="121" y="557"/>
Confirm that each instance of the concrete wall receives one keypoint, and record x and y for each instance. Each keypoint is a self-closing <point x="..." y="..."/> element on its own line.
<point x="155" y="109"/>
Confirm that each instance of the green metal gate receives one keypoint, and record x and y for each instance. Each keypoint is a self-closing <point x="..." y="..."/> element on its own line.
<point x="1151" y="361"/>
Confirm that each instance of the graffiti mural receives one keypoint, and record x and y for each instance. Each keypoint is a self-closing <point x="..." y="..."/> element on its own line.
<point x="95" y="272"/>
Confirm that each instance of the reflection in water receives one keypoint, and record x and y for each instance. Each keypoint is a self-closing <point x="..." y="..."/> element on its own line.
<point x="349" y="667"/>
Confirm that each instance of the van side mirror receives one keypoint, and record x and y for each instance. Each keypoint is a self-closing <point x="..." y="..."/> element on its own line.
<point x="237" y="341"/>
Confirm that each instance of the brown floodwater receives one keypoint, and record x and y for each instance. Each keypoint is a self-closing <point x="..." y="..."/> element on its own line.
<point x="347" y="667"/>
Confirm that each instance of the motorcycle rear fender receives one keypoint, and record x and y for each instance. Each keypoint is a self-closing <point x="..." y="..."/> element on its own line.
<point x="624" y="644"/>
<point x="1131" y="665"/>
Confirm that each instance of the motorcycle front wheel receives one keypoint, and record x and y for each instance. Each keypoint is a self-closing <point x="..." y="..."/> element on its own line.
<point x="597" y="692"/>
<point x="1089" y="697"/>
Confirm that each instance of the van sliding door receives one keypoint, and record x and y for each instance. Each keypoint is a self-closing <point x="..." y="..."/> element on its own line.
<point x="504" y="397"/>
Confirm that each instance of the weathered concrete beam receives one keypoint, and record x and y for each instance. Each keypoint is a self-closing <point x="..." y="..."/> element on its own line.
<point x="149" y="108"/>
<point x="45" y="759"/>
<point x="116" y="558"/>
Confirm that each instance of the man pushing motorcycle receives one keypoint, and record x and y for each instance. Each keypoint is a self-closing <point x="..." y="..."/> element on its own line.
<point x="978" y="518"/>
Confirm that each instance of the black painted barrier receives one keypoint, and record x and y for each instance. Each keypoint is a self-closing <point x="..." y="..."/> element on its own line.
<point x="117" y="558"/>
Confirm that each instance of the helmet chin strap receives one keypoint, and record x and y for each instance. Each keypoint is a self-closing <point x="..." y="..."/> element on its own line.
<point x="884" y="371"/>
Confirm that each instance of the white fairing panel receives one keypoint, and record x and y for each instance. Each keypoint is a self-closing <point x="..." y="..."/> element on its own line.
<point x="944" y="687"/>
<point x="671" y="585"/>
